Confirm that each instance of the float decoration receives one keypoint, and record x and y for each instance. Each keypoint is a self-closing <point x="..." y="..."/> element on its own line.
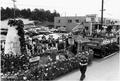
<point x="15" y="41"/>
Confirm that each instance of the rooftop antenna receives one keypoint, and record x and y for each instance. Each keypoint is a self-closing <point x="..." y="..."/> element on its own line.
<point x="14" y="6"/>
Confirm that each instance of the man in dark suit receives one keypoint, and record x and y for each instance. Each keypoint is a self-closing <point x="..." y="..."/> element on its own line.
<point x="83" y="62"/>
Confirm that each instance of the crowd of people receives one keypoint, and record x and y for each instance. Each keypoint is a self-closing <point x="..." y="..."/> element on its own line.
<point x="36" y="46"/>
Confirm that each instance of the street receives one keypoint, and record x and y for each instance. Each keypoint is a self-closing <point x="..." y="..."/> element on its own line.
<point x="105" y="69"/>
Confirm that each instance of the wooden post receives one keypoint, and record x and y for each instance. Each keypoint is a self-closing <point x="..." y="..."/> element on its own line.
<point x="102" y="13"/>
<point x="14" y="8"/>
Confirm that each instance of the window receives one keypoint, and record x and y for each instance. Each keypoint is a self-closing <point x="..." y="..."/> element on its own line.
<point x="64" y="26"/>
<point x="86" y="28"/>
<point x="116" y="22"/>
<point x="58" y="21"/>
<point x="69" y="21"/>
<point x="96" y="27"/>
<point x="92" y="19"/>
<point x="77" y="21"/>
<point x="57" y="26"/>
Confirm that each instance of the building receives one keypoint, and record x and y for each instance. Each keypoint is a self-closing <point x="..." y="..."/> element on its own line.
<point x="90" y="21"/>
<point x="68" y="22"/>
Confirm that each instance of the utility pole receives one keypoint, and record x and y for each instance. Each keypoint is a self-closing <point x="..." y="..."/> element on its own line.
<point x="102" y="9"/>
<point x="14" y="8"/>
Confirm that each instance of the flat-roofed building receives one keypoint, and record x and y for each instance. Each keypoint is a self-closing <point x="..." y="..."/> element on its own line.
<point x="68" y="22"/>
<point x="91" y="22"/>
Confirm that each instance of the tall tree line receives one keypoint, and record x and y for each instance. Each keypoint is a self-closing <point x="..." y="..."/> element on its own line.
<point x="36" y="14"/>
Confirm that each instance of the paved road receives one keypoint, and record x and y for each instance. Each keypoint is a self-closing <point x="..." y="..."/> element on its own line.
<point x="106" y="69"/>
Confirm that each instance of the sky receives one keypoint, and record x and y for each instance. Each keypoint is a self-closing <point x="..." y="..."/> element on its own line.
<point x="70" y="7"/>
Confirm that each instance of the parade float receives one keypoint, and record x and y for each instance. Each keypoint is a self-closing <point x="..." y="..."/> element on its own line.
<point x="42" y="66"/>
<point x="14" y="56"/>
<point x="84" y="48"/>
<point x="15" y="41"/>
<point x="103" y="41"/>
<point x="103" y="45"/>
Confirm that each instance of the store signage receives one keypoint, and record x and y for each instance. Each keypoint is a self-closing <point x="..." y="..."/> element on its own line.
<point x="91" y="18"/>
<point x="88" y="19"/>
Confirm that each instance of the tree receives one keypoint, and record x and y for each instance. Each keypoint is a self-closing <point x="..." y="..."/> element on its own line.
<point x="25" y="13"/>
<point x="37" y="14"/>
<point x="3" y="15"/>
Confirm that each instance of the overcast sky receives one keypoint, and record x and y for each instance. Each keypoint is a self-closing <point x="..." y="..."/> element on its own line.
<point x="70" y="7"/>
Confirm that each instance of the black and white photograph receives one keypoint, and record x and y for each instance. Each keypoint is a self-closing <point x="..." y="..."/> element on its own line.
<point x="60" y="40"/>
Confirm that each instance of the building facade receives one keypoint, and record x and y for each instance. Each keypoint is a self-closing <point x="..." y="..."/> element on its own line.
<point x="91" y="22"/>
<point x="68" y="22"/>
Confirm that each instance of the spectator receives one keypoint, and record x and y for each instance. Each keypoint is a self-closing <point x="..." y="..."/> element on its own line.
<point x="51" y="42"/>
<point x="39" y="47"/>
<point x="60" y="43"/>
<point x="44" y="43"/>
<point x="71" y="44"/>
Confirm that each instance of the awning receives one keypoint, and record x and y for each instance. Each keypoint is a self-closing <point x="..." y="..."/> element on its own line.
<point x="78" y="28"/>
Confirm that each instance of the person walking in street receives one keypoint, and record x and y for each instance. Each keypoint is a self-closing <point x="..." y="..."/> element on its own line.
<point x="83" y="62"/>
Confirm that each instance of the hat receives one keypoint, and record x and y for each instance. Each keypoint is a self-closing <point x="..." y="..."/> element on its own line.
<point x="43" y="36"/>
<point x="70" y="35"/>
